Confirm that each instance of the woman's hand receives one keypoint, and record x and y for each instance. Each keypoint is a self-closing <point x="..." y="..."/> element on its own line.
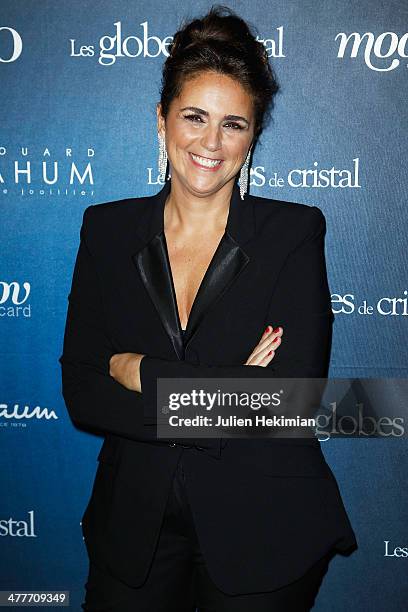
<point x="125" y="369"/>
<point x="264" y="351"/>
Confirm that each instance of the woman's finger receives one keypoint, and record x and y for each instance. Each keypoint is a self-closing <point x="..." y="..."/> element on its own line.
<point x="267" y="338"/>
<point x="264" y="352"/>
<point x="267" y="342"/>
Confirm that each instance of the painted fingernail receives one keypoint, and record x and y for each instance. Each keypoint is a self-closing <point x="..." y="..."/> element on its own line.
<point x="267" y="330"/>
<point x="276" y="330"/>
<point x="270" y="353"/>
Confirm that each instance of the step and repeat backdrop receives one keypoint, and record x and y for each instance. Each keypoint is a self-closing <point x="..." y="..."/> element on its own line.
<point x="79" y="82"/>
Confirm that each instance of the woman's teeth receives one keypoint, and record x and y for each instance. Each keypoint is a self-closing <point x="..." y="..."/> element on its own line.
<point x="208" y="163"/>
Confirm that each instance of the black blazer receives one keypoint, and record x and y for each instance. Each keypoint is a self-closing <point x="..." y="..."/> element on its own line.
<point x="265" y="510"/>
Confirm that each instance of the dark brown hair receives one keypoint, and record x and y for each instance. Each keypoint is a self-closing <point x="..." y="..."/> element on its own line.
<point x="222" y="42"/>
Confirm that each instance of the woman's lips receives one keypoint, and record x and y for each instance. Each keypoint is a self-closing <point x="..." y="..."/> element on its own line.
<point x="202" y="167"/>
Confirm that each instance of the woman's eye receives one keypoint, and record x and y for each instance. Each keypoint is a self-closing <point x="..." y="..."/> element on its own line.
<point x="198" y="119"/>
<point x="193" y="118"/>
<point x="235" y="126"/>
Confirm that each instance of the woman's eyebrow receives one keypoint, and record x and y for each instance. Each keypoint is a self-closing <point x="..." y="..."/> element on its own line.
<point x="200" y="111"/>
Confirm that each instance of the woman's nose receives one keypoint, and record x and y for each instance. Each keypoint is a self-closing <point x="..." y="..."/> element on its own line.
<point x="211" y="139"/>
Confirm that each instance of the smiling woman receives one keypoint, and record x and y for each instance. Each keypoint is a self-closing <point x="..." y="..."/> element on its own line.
<point x="189" y="283"/>
<point x="207" y="143"/>
<point x="208" y="130"/>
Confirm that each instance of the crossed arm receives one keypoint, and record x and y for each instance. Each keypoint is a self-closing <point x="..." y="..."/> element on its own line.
<point x="96" y="400"/>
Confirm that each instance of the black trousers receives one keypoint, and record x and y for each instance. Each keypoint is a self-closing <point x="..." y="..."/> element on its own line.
<point x="178" y="580"/>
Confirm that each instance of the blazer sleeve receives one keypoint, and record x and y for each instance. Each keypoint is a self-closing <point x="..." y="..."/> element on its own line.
<point x="300" y="303"/>
<point x="93" y="398"/>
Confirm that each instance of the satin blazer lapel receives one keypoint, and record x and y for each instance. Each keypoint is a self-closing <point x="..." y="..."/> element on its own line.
<point x="153" y="264"/>
<point x="154" y="268"/>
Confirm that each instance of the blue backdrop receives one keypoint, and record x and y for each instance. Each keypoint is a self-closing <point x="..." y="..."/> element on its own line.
<point x="79" y="82"/>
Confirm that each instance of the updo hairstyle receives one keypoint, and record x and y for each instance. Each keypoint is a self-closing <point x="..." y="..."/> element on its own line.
<point x="220" y="42"/>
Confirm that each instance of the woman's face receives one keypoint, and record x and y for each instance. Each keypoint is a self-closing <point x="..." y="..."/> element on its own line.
<point x="208" y="131"/>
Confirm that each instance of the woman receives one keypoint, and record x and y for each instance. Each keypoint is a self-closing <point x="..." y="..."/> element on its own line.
<point x="202" y="280"/>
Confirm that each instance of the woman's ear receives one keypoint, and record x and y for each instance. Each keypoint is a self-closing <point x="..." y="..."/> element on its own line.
<point x="161" y="126"/>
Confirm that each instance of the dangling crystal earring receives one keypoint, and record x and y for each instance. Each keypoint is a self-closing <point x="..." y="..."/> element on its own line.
<point x="162" y="163"/>
<point x="243" y="176"/>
